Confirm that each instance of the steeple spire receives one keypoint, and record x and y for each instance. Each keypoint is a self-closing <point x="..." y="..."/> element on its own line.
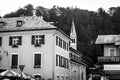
<point x="73" y="31"/>
<point x="73" y="36"/>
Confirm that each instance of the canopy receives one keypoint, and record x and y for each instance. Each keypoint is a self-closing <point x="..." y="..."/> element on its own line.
<point x="26" y="76"/>
<point x="9" y="73"/>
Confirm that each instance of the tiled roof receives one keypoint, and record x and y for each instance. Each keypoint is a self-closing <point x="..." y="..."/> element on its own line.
<point x="107" y="39"/>
<point x="29" y="23"/>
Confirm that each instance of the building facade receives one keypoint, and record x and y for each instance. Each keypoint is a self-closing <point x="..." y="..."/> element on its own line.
<point x="42" y="48"/>
<point x="110" y="61"/>
<point x="32" y="42"/>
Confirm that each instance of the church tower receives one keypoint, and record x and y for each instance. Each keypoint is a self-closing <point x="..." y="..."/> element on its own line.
<point x="73" y="36"/>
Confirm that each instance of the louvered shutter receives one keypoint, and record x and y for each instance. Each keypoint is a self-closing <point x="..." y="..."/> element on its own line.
<point x="37" y="61"/>
<point x="56" y="40"/>
<point x="43" y="39"/>
<point x="33" y="39"/>
<point x="20" y="40"/>
<point x="10" y="40"/>
<point x="14" y="60"/>
<point x="0" y="41"/>
<point x="57" y="60"/>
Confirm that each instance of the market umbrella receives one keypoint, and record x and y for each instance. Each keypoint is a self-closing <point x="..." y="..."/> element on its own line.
<point x="9" y="73"/>
<point x="26" y="75"/>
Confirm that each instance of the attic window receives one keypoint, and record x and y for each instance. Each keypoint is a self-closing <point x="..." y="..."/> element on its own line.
<point x="19" y="23"/>
<point x="2" y="24"/>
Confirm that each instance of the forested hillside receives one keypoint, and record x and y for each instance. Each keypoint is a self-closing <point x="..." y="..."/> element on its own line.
<point x="89" y="24"/>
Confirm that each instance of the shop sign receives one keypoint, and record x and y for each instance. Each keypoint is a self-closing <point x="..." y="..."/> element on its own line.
<point x="112" y="67"/>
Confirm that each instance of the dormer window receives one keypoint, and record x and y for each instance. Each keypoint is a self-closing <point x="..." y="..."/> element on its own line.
<point x="2" y="24"/>
<point x="19" y="23"/>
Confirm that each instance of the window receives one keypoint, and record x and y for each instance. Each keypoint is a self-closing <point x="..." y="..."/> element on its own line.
<point x="2" y="24"/>
<point x="14" y="61"/>
<point x="61" y="61"/>
<point x="112" y="51"/>
<point x="73" y="40"/>
<point x="19" y="23"/>
<point x="37" y="60"/>
<point x="37" y="40"/>
<point x="0" y="41"/>
<point x="38" y="77"/>
<point x="61" y="43"/>
<point x="14" y="41"/>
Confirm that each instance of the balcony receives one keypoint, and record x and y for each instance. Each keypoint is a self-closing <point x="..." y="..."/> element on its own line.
<point x="75" y="58"/>
<point x="109" y="59"/>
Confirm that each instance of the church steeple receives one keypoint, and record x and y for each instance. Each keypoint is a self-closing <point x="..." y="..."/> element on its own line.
<point x="73" y="36"/>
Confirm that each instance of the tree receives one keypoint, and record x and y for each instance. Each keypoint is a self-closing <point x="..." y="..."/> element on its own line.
<point x="26" y="11"/>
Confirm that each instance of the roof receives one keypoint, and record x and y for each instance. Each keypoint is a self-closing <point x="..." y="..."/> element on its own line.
<point x="108" y="39"/>
<point x="73" y="31"/>
<point x="29" y="23"/>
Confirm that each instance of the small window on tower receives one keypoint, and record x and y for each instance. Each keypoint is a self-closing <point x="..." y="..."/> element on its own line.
<point x="73" y="40"/>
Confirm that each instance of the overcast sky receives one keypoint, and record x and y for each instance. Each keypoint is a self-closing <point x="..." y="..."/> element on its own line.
<point x="7" y="6"/>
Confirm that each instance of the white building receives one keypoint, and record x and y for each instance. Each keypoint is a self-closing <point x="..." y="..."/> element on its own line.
<point x="41" y="47"/>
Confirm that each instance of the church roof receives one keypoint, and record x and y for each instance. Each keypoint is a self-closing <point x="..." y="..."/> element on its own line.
<point x="28" y="23"/>
<point x="73" y="31"/>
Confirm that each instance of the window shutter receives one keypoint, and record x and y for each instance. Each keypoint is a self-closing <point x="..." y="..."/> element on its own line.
<point x="0" y="41"/>
<point x="33" y="39"/>
<point x="14" y="60"/>
<point x="57" y="60"/>
<point x="56" y="40"/>
<point x="20" y="40"/>
<point x="43" y="39"/>
<point x="10" y="40"/>
<point x="37" y="59"/>
<point x="60" y="61"/>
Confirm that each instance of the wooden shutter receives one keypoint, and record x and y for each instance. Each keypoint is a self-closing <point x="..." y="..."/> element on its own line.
<point x="60" y="61"/>
<point x="14" y="60"/>
<point x="20" y="40"/>
<point x="43" y="39"/>
<point x="57" y="60"/>
<point x="10" y="40"/>
<point x="33" y="39"/>
<point x="37" y="60"/>
<point x="56" y="40"/>
<point x="0" y="41"/>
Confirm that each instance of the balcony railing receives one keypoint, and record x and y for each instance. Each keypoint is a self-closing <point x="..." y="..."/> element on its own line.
<point x="109" y="59"/>
<point x="75" y="58"/>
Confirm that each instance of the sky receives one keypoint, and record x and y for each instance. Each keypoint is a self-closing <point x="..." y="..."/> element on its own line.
<point x="7" y="6"/>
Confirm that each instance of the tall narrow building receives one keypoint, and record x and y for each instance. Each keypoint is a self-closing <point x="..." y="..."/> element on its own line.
<point x="73" y="36"/>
